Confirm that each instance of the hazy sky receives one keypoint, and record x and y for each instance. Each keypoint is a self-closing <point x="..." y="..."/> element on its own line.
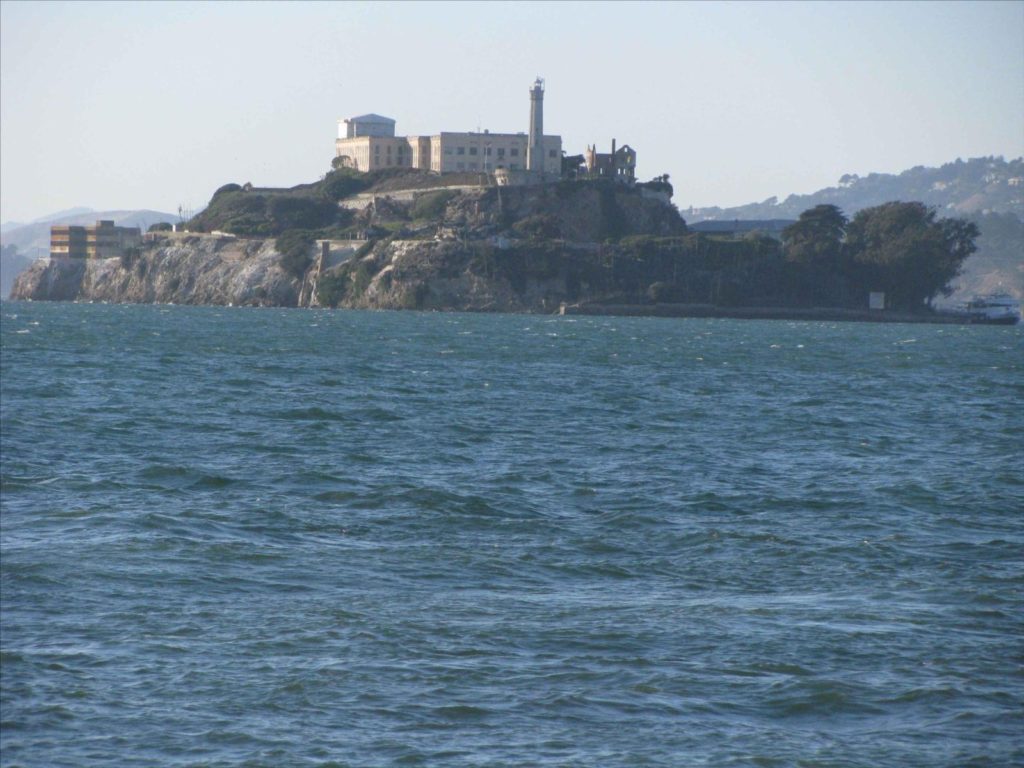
<point x="154" y="105"/>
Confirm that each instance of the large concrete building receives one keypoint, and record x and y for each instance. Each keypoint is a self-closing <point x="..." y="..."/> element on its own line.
<point x="368" y="143"/>
<point x="102" y="240"/>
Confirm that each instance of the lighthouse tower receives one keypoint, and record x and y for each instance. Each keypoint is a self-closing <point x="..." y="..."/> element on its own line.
<point x="535" y="149"/>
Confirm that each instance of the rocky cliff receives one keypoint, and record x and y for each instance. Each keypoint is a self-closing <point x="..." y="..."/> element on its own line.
<point x="189" y="269"/>
<point x="498" y="249"/>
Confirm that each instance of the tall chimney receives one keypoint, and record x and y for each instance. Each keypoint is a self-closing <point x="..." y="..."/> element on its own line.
<point x="535" y="149"/>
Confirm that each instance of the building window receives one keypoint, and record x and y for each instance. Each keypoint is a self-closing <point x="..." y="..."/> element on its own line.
<point x="472" y="166"/>
<point x="501" y="151"/>
<point x="514" y="151"/>
<point x="447" y="150"/>
<point x="514" y="167"/>
<point x="461" y="166"/>
<point x="460" y="151"/>
<point x="552" y="153"/>
<point x="487" y="151"/>
<point x="472" y="150"/>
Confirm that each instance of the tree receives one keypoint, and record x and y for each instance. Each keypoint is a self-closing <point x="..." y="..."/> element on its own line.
<point x="904" y="250"/>
<point x="342" y="183"/>
<point x="819" y="271"/>
<point x="817" y="237"/>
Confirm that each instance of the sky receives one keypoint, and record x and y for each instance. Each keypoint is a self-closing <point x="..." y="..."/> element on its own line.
<point x="154" y="105"/>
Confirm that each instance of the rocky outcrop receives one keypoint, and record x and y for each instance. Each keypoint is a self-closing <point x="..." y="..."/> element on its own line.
<point x="486" y="249"/>
<point x="179" y="269"/>
<point x="465" y="276"/>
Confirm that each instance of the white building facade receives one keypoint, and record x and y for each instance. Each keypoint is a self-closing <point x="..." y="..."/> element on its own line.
<point x="445" y="152"/>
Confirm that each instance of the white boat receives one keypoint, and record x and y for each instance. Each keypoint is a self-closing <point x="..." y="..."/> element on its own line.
<point x="998" y="310"/>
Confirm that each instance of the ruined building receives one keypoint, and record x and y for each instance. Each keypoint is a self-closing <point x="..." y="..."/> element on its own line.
<point x="620" y="164"/>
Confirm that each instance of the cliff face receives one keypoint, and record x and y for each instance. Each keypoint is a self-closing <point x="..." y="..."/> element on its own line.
<point x="576" y="212"/>
<point x="467" y="276"/>
<point x="173" y="269"/>
<point x="497" y="249"/>
<point x="394" y="274"/>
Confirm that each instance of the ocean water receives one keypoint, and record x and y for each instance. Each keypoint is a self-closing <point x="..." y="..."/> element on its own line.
<point x="256" y="537"/>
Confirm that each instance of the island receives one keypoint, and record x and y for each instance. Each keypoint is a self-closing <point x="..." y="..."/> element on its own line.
<point x="506" y="222"/>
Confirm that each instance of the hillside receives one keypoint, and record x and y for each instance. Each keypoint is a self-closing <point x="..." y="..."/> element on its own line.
<point x="976" y="186"/>
<point x="451" y="247"/>
<point x="47" y="219"/>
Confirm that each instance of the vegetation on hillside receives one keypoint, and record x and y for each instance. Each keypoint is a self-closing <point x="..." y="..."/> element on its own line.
<point x="988" y="191"/>
<point x="266" y="213"/>
<point x="600" y="239"/>
<point x="900" y="248"/>
<point x="825" y="260"/>
<point x="296" y="249"/>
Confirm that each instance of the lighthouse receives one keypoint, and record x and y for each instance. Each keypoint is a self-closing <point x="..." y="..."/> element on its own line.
<point x="535" y="149"/>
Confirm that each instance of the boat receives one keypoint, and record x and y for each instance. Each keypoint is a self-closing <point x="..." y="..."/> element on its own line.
<point x="992" y="310"/>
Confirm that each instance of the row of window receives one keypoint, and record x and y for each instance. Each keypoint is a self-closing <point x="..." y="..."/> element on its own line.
<point x="471" y="166"/>
<point x="514" y="151"/>
<point x="473" y="151"/>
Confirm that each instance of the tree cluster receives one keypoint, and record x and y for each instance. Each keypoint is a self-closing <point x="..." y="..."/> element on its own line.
<point x="902" y="249"/>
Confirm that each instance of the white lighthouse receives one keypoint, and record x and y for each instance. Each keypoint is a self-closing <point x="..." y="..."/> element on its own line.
<point x="535" y="148"/>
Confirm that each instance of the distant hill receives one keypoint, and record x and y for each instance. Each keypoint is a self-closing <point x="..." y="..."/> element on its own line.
<point x="12" y="264"/>
<point x="977" y="186"/>
<point x="986" y="190"/>
<point x="22" y="245"/>
<point x="9" y="225"/>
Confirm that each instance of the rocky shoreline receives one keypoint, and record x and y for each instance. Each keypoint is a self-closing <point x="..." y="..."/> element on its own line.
<point x="837" y="314"/>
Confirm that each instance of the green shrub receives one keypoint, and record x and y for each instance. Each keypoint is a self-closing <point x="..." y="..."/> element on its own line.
<point x="331" y="288"/>
<point x="295" y="247"/>
<point x="269" y="212"/>
<point x="287" y="212"/>
<point x="343" y="183"/>
<point x="432" y="205"/>
<point x="228" y="188"/>
<point x="540" y="226"/>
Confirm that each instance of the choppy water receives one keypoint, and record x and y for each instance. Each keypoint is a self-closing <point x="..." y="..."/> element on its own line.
<point x="310" y="538"/>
